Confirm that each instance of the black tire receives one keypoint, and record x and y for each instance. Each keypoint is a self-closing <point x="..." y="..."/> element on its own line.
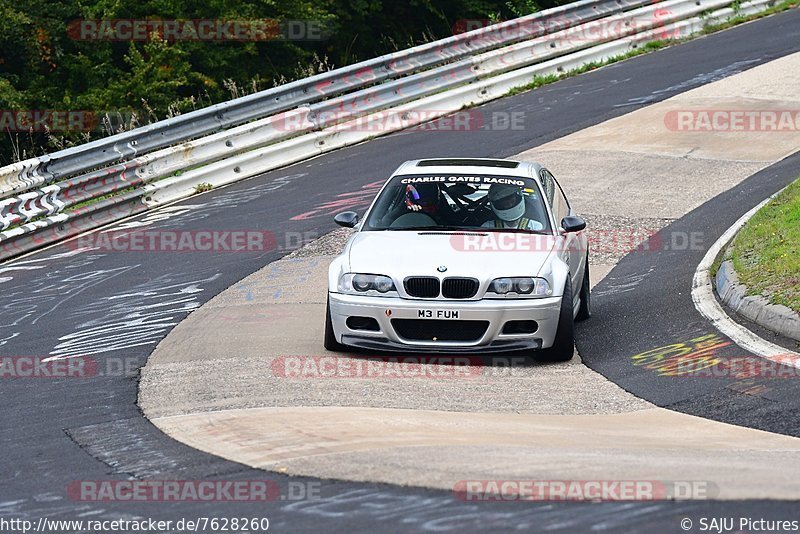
<point x="585" y="309"/>
<point x="564" y="344"/>
<point x="330" y="340"/>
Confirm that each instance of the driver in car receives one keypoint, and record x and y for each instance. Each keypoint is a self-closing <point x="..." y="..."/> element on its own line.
<point x="424" y="197"/>
<point x="508" y="205"/>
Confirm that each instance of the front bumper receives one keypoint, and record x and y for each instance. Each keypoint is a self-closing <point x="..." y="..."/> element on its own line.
<point x="383" y="310"/>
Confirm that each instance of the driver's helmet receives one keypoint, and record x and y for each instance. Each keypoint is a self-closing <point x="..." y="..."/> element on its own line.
<point x="424" y="195"/>
<point x="507" y="201"/>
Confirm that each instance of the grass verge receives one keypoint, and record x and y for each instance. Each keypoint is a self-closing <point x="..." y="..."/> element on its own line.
<point x="766" y="251"/>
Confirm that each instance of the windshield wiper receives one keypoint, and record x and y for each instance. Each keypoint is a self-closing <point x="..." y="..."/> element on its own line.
<point x="437" y="229"/>
<point x="517" y="230"/>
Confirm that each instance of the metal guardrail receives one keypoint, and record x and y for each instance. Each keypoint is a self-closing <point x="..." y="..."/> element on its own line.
<point x="446" y="75"/>
<point x="64" y="163"/>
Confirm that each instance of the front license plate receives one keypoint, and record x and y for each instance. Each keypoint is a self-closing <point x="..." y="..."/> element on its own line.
<point x="438" y="314"/>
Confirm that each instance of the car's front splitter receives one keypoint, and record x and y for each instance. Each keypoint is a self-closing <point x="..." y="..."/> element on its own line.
<point x="384" y="344"/>
<point x="496" y="313"/>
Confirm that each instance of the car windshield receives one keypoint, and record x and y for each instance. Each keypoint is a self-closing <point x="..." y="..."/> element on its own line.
<point x="460" y="202"/>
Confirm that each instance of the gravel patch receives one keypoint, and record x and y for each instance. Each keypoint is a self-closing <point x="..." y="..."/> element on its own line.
<point x="329" y="244"/>
<point x="612" y="237"/>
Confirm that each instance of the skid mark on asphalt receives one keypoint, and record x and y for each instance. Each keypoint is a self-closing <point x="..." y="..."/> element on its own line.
<point x="443" y="514"/>
<point x="137" y="318"/>
<point x="700" y="79"/>
<point x="44" y="293"/>
<point x="623" y="284"/>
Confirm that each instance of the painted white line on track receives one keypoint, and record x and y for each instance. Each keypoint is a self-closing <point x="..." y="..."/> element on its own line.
<point x="707" y="305"/>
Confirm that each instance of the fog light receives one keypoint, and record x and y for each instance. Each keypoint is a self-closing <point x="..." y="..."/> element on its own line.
<point x="362" y="323"/>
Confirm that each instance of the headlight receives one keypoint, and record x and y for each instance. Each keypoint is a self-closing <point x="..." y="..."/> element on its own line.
<point x="383" y="284"/>
<point x="502" y="286"/>
<point x="526" y="285"/>
<point x="365" y="284"/>
<point x="518" y="287"/>
<point x="362" y="282"/>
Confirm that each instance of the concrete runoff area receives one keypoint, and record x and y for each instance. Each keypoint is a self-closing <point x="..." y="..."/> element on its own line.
<point x="439" y="448"/>
<point x="214" y="383"/>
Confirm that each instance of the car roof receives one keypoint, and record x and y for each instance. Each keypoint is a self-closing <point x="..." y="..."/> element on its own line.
<point x="502" y="167"/>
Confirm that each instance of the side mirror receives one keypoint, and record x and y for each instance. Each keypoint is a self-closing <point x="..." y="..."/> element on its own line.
<point x="572" y="223"/>
<point x="348" y="219"/>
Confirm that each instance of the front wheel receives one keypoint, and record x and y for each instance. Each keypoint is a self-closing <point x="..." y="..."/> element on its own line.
<point x="564" y="344"/>
<point x="330" y="339"/>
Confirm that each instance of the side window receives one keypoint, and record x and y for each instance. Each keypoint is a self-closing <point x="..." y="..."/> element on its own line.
<point x="548" y="183"/>
<point x="558" y="200"/>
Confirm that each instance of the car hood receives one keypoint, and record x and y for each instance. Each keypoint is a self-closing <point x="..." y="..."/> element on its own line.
<point x="474" y="254"/>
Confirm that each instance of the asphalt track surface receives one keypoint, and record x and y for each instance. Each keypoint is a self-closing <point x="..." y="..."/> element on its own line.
<point x="645" y="303"/>
<point x="56" y="431"/>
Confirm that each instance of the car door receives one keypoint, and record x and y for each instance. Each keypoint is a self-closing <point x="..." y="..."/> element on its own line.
<point x="571" y="252"/>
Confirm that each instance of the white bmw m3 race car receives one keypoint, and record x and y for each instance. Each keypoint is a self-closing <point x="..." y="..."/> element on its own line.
<point x="462" y="255"/>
